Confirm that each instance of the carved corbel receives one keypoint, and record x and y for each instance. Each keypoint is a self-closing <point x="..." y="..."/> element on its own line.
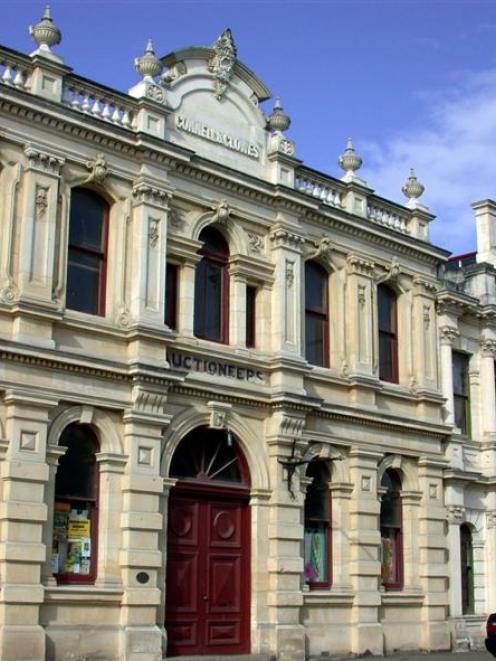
<point x="448" y="335"/>
<point x="219" y="414"/>
<point x="98" y="169"/>
<point x="222" y="212"/>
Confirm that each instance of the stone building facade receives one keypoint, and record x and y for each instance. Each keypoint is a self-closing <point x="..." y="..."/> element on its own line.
<point x="228" y="421"/>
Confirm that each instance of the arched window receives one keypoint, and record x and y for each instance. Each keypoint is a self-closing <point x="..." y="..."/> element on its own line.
<point x="75" y="523"/>
<point x="212" y="288"/>
<point x="467" y="573"/>
<point x="388" y="339"/>
<point x="316" y="315"/>
<point x="87" y="256"/>
<point x="391" y="532"/>
<point x="317" y="552"/>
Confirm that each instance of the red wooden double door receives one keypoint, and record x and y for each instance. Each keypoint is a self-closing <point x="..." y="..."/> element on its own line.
<point x="208" y="574"/>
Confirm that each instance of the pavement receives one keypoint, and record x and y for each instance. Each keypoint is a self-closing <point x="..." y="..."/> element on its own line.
<point x="475" y="655"/>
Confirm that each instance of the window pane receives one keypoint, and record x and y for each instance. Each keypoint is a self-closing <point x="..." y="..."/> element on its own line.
<point x="76" y="471"/>
<point x="87" y="220"/>
<point x="462" y="413"/>
<point x="83" y="282"/>
<point x="314" y="339"/>
<point x="315" y="554"/>
<point x="387" y="357"/>
<point x="390" y="511"/>
<point x="390" y="565"/>
<point x="386" y="303"/>
<point x="460" y="374"/>
<point x="315" y="288"/>
<point x="208" y="300"/>
<point x="251" y="295"/>
<point x="171" y="296"/>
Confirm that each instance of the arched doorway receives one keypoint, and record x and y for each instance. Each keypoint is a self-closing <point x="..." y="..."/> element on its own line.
<point x="208" y="547"/>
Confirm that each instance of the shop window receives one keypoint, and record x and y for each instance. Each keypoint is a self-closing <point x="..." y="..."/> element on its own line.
<point x="467" y="573"/>
<point x="461" y="392"/>
<point x="388" y="339"/>
<point x="171" y="284"/>
<point x="316" y="315"/>
<point x="75" y="522"/>
<point x="251" y="316"/>
<point x="391" y="532"/>
<point x="87" y="259"/>
<point x="317" y="540"/>
<point x="211" y="317"/>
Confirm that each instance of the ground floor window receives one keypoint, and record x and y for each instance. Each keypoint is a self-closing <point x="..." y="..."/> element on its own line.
<point x="317" y="539"/>
<point x="467" y="561"/>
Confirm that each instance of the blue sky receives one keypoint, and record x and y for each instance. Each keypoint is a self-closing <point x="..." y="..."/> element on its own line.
<point x="412" y="81"/>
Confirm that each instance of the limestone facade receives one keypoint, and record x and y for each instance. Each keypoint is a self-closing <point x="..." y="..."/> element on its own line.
<point x="186" y="150"/>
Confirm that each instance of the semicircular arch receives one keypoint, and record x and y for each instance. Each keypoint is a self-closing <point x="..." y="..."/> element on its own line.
<point x="104" y="427"/>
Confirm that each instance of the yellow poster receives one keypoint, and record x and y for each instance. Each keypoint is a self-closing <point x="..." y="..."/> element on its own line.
<point x="77" y="529"/>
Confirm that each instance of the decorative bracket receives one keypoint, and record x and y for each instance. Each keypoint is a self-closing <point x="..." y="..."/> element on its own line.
<point x="293" y="462"/>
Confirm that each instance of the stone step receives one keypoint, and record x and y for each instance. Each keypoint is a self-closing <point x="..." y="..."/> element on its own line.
<point x="223" y="657"/>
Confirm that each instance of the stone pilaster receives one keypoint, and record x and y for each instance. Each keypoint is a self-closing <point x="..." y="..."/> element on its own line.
<point x="424" y="347"/>
<point x="285" y="634"/>
<point x="142" y="527"/>
<point x="490" y="577"/>
<point x="341" y="495"/>
<point x="456" y="516"/>
<point x="410" y="505"/>
<point x="365" y="542"/>
<point x="237" y="309"/>
<point x="432" y="568"/>
<point x="447" y="335"/>
<point x="488" y="390"/>
<point x="53" y="455"/>
<point x="24" y="475"/>
<point x="186" y="251"/>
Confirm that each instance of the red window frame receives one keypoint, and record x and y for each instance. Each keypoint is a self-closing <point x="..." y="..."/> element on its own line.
<point x="251" y="316"/>
<point x="172" y="278"/>
<point x="321" y="314"/>
<point x="392" y="532"/>
<point x="323" y="522"/>
<point x="101" y="254"/>
<point x="389" y="333"/>
<point x="221" y="259"/>
<point x="65" y="578"/>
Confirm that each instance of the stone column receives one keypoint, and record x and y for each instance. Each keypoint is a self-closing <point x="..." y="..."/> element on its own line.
<point x="456" y="515"/>
<point x="488" y="387"/>
<point x="23" y="518"/>
<point x="168" y="483"/>
<point x="447" y="335"/>
<point x="424" y="347"/>
<point x="186" y="296"/>
<point x="260" y="626"/>
<point x="341" y="495"/>
<point x="237" y="308"/>
<point x="433" y="567"/>
<point x="53" y="454"/>
<point x="142" y="526"/>
<point x="285" y="634"/>
<point x="360" y="313"/>
<point x="491" y="558"/>
<point x="365" y="544"/>
<point x="410" y="504"/>
<point x="111" y="468"/>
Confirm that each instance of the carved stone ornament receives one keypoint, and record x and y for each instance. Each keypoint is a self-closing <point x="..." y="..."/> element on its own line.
<point x="45" y="33"/>
<point x="41" y="202"/>
<point x="278" y="121"/>
<point x="324" y="249"/>
<point x="427" y="316"/>
<point x="153" y="233"/>
<point x="350" y="161"/>
<point x="255" y="243"/>
<point x="9" y="294"/>
<point x="412" y="189"/>
<point x="148" y="65"/>
<point x="491" y="519"/>
<point x="155" y="92"/>
<point x="124" y="317"/>
<point x="456" y="513"/>
<point x="488" y="347"/>
<point x="448" y="334"/>
<point x="147" y="194"/>
<point x="222" y="211"/>
<point x="222" y="62"/>
<point x="42" y="160"/>
<point x="290" y="276"/>
<point x="278" y="144"/>
<point x="219" y="414"/>
<point x="98" y="169"/>
<point x="284" y="238"/>
<point x="175" y="218"/>
<point x="362" y="291"/>
<point x="360" y="266"/>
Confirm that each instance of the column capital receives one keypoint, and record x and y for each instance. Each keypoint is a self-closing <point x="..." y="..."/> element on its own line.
<point x="455" y="514"/>
<point x="448" y="335"/>
<point x="488" y="347"/>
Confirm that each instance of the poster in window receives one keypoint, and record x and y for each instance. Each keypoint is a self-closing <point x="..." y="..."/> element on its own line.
<point x="315" y="555"/>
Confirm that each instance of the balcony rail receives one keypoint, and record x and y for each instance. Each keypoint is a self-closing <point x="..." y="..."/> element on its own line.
<point x="14" y="71"/>
<point x="388" y="216"/>
<point x="319" y="189"/>
<point x="97" y="101"/>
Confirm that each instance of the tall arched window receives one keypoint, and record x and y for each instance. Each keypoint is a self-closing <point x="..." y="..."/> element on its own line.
<point x="388" y="339"/>
<point x="316" y="315"/>
<point x="87" y="256"/>
<point x="75" y="523"/>
<point x="317" y="541"/>
<point x="211" y="320"/>
<point x="391" y="532"/>
<point x="467" y="562"/>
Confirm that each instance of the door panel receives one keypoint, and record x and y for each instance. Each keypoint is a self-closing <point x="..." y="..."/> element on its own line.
<point x="208" y="606"/>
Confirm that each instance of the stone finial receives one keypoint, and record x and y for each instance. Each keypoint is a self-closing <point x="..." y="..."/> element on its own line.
<point x="349" y="161"/>
<point x="222" y="62"/>
<point x="45" y="33"/>
<point x="412" y="189"/>
<point x="148" y="65"/>
<point x="277" y="120"/>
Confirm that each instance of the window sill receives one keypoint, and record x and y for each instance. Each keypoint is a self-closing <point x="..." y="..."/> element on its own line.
<point x="94" y="594"/>
<point x="328" y="598"/>
<point x="402" y="598"/>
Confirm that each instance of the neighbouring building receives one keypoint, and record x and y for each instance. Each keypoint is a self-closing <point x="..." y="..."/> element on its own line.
<point x="245" y="406"/>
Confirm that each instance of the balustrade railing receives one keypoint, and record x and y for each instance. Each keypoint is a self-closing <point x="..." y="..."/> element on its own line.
<point x="323" y="191"/>
<point x="95" y="101"/>
<point x="384" y="215"/>
<point x="14" y="72"/>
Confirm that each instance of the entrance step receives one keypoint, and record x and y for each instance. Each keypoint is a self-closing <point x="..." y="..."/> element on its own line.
<point x="223" y="657"/>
